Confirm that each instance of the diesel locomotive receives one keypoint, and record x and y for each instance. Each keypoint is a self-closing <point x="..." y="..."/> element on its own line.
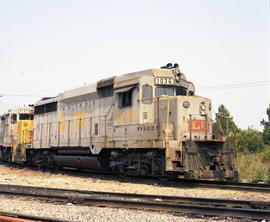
<point x="148" y="123"/>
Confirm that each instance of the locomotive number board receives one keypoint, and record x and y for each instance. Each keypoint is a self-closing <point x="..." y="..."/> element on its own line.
<point x="164" y="81"/>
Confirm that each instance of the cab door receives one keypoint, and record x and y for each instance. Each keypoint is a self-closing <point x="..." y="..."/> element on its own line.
<point x="15" y="133"/>
<point x="147" y="104"/>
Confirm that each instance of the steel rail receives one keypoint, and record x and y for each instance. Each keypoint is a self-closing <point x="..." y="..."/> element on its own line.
<point x="250" y="187"/>
<point x="181" y="205"/>
<point x="14" y="217"/>
<point x="28" y="190"/>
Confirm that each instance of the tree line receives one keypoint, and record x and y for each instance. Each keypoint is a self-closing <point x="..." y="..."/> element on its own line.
<point x="247" y="141"/>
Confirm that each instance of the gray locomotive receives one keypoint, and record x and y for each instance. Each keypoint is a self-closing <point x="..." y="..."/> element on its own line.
<point x="147" y="123"/>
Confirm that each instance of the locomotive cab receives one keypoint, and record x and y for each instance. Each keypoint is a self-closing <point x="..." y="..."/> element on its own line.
<point x="192" y="149"/>
<point x="16" y="134"/>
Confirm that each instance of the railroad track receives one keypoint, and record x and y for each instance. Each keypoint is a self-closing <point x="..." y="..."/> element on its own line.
<point x="173" y="204"/>
<point x="251" y="187"/>
<point x="12" y="217"/>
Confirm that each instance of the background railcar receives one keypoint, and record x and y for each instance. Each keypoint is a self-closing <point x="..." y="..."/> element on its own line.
<point x="16" y="134"/>
<point x="143" y="123"/>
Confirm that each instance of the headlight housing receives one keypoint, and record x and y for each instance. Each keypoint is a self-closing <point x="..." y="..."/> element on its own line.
<point x="202" y="109"/>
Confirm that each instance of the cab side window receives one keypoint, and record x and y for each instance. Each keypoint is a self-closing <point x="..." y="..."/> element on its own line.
<point x="147" y="94"/>
<point x="180" y="91"/>
<point x="125" y="99"/>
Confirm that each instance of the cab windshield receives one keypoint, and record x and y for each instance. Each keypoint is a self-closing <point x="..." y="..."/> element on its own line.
<point x="170" y="91"/>
<point x="26" y="117"/>
<point x="164" y="91"/>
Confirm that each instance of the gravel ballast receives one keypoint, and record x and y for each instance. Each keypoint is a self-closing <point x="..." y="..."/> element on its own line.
<point x="27" y="177"/>
<point x="85" y="214"/>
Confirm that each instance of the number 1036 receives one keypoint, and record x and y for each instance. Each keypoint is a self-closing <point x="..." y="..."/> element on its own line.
<point x="125" y="116"/>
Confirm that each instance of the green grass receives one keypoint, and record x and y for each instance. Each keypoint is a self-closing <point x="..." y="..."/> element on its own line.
<point x="254" y="167"/>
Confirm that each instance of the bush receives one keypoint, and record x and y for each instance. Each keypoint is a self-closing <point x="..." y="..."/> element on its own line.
<point x="266" y="153"/>
<point x="269" y="175"/>
<point x="266" y="135"/>
<point x="252" y="167"/>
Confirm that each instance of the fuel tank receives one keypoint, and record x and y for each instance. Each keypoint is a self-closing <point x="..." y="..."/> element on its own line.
<point x="85" y="162"/>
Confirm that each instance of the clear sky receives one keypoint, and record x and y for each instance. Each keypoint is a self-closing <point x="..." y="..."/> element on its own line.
<point x="50" y="46"/>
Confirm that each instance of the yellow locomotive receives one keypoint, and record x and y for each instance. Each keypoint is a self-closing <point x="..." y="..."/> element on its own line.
<point x="16" y="133"/>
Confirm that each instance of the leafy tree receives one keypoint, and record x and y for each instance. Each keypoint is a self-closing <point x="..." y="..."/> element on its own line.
<point x="226" y="125"/>
<point x="226" y="120"/>
<point x="266" y="135"/>
<point x="266" y="124"/>
<point x="250" y="141"/>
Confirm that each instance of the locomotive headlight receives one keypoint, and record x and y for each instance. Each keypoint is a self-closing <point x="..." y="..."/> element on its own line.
<point x="178" y="77"/>
<point x="202" y="109"/>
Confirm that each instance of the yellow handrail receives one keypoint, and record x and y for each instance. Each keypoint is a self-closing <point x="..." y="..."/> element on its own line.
<point x="181" y="138"/>
<point x="167" y="127"/>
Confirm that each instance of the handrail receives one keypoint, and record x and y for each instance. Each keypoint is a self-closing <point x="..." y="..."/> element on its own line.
<point x="167" y="127"/>
<point x="181" y="138"/>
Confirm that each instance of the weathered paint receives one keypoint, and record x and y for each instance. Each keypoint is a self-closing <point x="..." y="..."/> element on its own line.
<point x="85" y="118"/>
